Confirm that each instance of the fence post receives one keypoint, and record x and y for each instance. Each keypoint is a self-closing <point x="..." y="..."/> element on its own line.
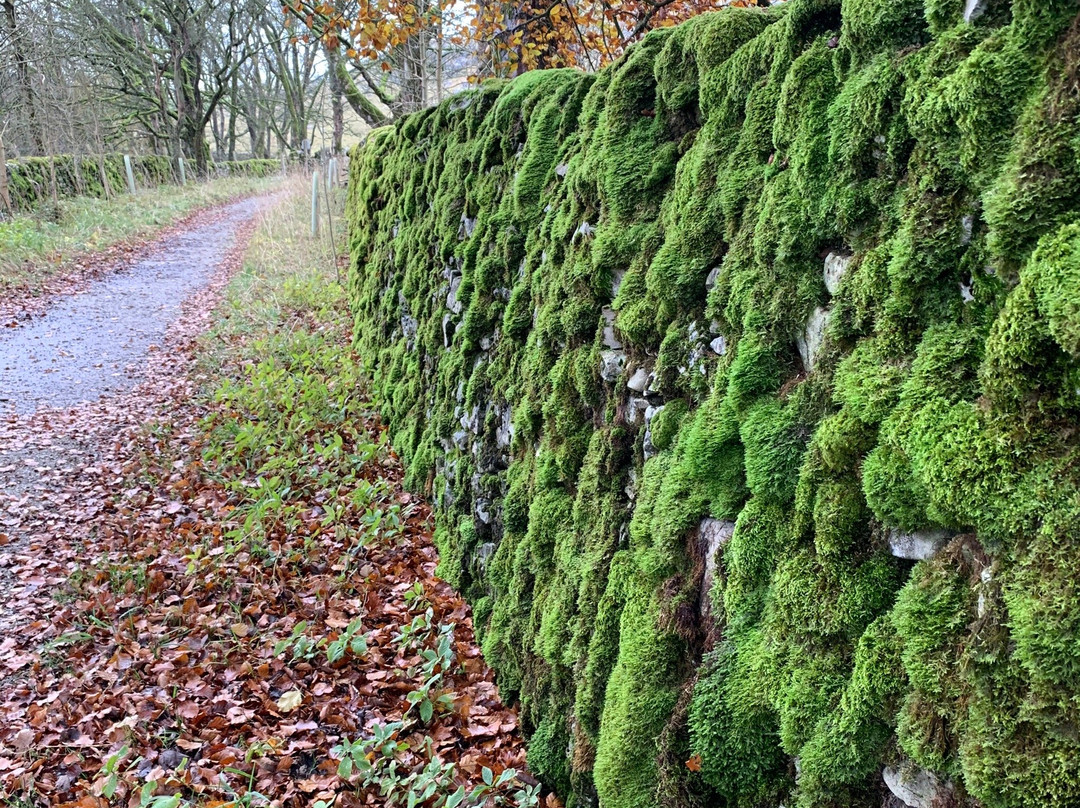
<point x="284" y="165"/>
<point x="315" y="203"/>
<point x="183" y="173"/>
<point x="130" y="173"/>
<point x="331" y="172"/>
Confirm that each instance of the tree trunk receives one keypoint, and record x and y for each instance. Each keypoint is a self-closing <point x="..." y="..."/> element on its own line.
<point x="22" y="70"/>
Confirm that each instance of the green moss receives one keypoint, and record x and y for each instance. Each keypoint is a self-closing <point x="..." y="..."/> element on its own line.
<point x="691" y="191"/>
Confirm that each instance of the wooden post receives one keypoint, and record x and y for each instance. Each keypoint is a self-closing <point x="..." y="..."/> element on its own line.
<point x="130" y="173"/>
<point x="284" y="165"/>
<point x="5" y="196"/>
<point x="314" y="203"/>
<point x="183" y="173"/>
<point x="331" y="172"/>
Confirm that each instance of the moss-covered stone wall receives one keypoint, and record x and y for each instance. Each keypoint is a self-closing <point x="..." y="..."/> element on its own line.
<point x="745" y="376"/>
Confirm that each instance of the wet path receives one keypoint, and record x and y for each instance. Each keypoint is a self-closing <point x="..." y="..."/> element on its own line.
<point x="95" y="343"/>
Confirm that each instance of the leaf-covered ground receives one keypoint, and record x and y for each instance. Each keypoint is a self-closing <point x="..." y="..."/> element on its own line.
<point x="240" y="606"/>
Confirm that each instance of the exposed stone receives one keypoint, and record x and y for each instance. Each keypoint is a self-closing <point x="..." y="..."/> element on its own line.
<point x="616" y="281"/>
<point x="630" y="489"/>
<point x="467" y="227"/>
<point x="836" y="266"/>
<point x="639" y="380"/>
<point x="916" y="787"/>
<point x="713" y="534"/>
<point x="635" y="408"/>
<point x="973" y="9"/>
<point x="452" y="301"/>
<point x="647" y="446"/>
<point x="610" y="340"/>
<point x="710" y="279"/>
<point x="966" y="290"/>
<point x="917" y="545"/>
<point x="718" y="346"/>
<point x="483" y="555"/>
<point x="504" y="431"/>
<point x="811" y="340"/>
<point x="461" y="439"/>
<point x="611" y="365"/>
<point x="447" y="330"/>
<point x="483" y="510"/>
<point x="561" y="169"/>
<point x="584" y="231"/>
<point x="967" y="225"/>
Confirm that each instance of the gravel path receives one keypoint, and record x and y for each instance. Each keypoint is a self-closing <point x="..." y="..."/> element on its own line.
<point x="77" y="384"/>
<point x="95" y="343"/>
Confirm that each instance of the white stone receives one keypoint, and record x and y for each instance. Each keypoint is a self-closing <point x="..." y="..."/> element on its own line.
<point x="811" y="340"/>
<point x="718" y="346"/>
<point x="560" y="169"/>
<point x="713" y="534"/>
<point x="710" y="279"/>
<point x="836" y="266"/>
<point x="639" y="380"/>
<point x="917" y="545"/>
<point x="504" y="432"/>
<point x="914" y="786"/>
<point x="965" y="291"/>
<point x="611" y="365"/>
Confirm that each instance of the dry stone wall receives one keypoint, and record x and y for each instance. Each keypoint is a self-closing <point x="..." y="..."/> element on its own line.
<point x="745" y="378"/>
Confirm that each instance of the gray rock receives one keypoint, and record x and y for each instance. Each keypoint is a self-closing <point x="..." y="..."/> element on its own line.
<point x="966" y="293"/>
<point x="967" y="226"/>
<point x="483" y="510"/>
<point x="584" y="231"/>
<point x="504" y="432"/>
<point x="713" y="534"/>
<point x="467" y="227"/>
<point x="714" y="327"/>
<point x="647" y="446"/>
<point x="710" y="279"/>
<point x="639" y="380"/>
<point x="611" y="365"/>
<point x="447" y="330"/>
<point x="631" y="493"/>
<point x="616" y="281"/>
<point x="917" y="545"/>
<point x="836" y="266"/>
<point x="483" y="555"/>
<point x="635" y="408"/>
<point x="916" y="787"/>
<point x="610" y="340"/>
<point x="561" y="169"/>
<point x="461" y="439"/>
<point x="452" y="301"/>
<point x="973" y="9"/>
<point x="811" y="340"/>
<point x="718" y="346"/>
